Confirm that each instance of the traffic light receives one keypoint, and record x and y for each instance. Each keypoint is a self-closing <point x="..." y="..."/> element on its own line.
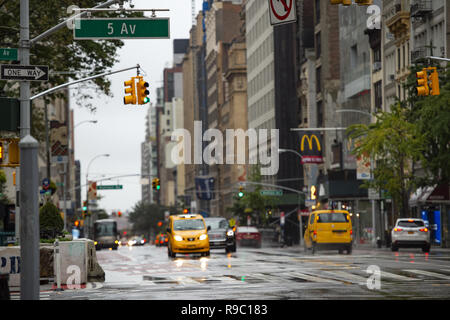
<point x="155" y="184"/>
<point x="142" y="92"/>
<point x="343" y="2"/>
<point x="313" y="193"/>
<point x="2" y="152"/>
<point x="130" y="90"/>
<point x="160" y="223"/>
<point x="13" y="152"/>
<point x="84" y="209"/>
<point x="241" y="192"/>
<point x="77" y="223"/>
<point x="434" y="82"/>
<point x="422" y="83"/>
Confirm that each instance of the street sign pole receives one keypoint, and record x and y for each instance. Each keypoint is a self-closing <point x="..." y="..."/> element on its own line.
<point x="29" y="217"/>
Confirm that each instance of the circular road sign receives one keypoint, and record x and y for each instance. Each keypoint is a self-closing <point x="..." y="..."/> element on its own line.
<point x="281" y="9"/>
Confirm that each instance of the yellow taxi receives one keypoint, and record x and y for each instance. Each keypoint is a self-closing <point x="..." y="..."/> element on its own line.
<point x="329" y="229"/>
<point x="187" y="234"/>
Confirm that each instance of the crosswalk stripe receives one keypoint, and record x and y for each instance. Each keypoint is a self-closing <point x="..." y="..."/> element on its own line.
<point x="385" y="274"/>
<point x="428" y="273"/>
<point x="346" y="276"/>
<point x="313" y="278"/>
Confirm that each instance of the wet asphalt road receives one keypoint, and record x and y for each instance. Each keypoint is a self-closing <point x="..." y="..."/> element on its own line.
<point x="147" y="273"/>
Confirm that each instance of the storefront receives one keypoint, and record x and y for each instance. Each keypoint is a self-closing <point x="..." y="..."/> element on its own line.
<point x="433" y="205"/>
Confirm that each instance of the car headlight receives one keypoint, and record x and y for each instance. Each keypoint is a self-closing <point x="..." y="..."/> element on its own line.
<point x="203" y="237"/>
<point x="230" y="233"/>
<point x="178" y="238"/>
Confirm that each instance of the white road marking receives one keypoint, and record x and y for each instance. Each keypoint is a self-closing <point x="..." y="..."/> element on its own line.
<point x="430" y="274"/>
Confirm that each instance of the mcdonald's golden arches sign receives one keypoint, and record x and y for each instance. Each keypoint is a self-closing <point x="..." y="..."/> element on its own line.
<point x="311" y="147"/>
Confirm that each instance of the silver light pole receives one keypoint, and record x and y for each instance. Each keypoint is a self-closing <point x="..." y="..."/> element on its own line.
<point x="90" y="224"/>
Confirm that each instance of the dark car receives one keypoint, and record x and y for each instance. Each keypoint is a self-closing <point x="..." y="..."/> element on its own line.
<point x="221" y="235"/>
<point x="161" y="240"/>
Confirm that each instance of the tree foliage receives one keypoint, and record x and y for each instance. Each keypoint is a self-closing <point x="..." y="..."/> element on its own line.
<point x="252" y="204"/>
<point x="50" y="221"/>
<point x="396" y="145"/>
<point x="67" y="59"/>
<point x="3" y="198"/>
<point x="145" y="217"/>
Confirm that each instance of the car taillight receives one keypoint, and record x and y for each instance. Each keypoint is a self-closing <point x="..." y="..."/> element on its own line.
<point x="161" y="241"/>
<point x="398" y="229"/>
<point x="351" y="232"/>
<point x="315" y="232"/>
<point x="424" y="230"/>
<point x="167" y="240"/>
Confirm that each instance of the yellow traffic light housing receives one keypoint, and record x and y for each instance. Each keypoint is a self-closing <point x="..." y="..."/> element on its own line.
<point x="313" y="193"/>
<point x="14" y="153"/>
<point x="434" y="82"/>
<point x="142" y="92"/>
<point x="2" y="152"/>
<point x="130" y="90"/>
<point x="155" y="184"/>
<point x="422" y="83"/>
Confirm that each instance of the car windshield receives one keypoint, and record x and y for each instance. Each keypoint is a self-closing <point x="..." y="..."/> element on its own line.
<point x="105" y="229"/>
<point x="216" y="223"/>
<point x="188" y="224"/>
<point x="410" y="223"/>
<point x="332" y="217"/>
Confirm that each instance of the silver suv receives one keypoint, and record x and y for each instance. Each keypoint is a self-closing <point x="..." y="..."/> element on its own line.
<point x="410" y="233"/>
<point x="221" y="235"/>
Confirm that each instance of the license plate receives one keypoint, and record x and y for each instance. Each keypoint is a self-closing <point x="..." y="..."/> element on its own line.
<point x="410" y="232"/>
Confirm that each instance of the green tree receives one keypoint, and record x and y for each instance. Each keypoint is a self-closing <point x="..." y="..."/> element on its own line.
<point x="50" y="221"/>
<point x="396" y="145"/>
<point x="3" y="197"/>
<point x="252" y="203"/>
<point x="145" y="217"/>
<point x="432" y="116"/>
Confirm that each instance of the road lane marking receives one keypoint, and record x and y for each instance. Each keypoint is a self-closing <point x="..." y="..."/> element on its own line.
<point x="313" y="278"/>
<point x="385" y="274"/>
<point x="430" y="274"/>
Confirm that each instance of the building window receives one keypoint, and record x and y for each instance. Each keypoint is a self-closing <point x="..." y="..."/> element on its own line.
<point x="318" y="79"/>
<point x="317" y="9"/>
<point x="378" y="95"/>
<point x="320" y="120"/>
<point x="318" y="45"/>
<point x="354" y="57"/>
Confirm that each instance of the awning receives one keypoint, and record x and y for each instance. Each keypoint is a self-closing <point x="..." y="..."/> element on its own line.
<point x="434" y="194"/>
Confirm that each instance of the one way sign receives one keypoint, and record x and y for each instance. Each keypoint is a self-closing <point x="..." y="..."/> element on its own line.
<point x="23" y="73"/>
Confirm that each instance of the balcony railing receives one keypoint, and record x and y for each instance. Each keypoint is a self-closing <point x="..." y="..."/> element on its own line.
<point x="421" y="8"/>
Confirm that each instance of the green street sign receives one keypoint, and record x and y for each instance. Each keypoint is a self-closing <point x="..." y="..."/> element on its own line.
<point x="122" y="28"/>
<point x="9" y="54"/>
<point x="276" y="193"/>
<point x="111" y="187"/>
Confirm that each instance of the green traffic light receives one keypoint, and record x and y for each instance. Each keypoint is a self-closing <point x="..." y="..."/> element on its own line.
<point x="241" y="194"/>
<point x="146" y="100"/>
<point x="158" y="187"/>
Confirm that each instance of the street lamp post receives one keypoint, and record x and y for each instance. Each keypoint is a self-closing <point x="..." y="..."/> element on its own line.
<point x="300" y="214"/>
<point x="67" y="167"/>
<point x="87" y="191"/>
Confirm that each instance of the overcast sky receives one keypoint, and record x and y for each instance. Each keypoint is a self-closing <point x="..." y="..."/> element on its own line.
<point x="120" y="129"/>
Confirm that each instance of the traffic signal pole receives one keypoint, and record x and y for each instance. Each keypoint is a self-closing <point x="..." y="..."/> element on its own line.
<point x="29" y="180"/>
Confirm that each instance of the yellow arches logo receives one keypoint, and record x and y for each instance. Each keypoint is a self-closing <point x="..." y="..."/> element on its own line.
<point x="310" y="142"/>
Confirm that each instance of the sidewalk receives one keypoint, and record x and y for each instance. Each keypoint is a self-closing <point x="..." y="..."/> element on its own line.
<point x="360" y="246"/>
